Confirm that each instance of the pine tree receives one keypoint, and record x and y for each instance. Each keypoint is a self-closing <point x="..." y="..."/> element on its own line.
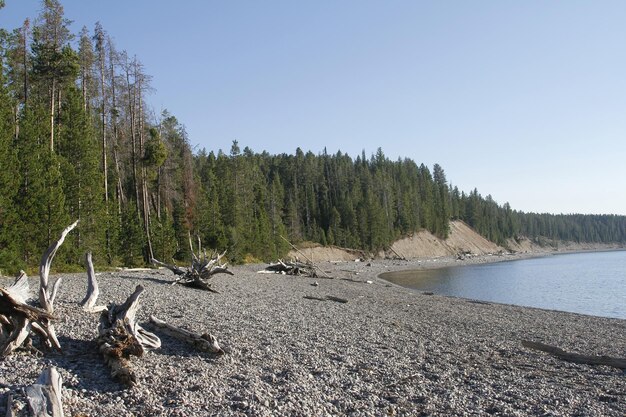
<point x="82" y="176"/>
<point x="9" y="182"/>
<point x="441" y="202"/>
<point x="55" y="63"/>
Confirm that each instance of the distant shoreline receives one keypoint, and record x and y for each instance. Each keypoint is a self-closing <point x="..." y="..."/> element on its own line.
<point x="449" y="261"/>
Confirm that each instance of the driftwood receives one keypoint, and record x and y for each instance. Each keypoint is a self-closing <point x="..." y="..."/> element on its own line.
<point x="89" y="302"/>
<point x="18" y="319"/>
<point x="199" y="273"/>
<point x="292" y="268"/>
<point x="120" y="337"/>
<point x="575" y="357"/>
<point x="44" y="397"/>
<point x="305" y="257"/>
<point x="326" y="298"/>
<point x="47" y="295"/>
<point x="205" y="342"/>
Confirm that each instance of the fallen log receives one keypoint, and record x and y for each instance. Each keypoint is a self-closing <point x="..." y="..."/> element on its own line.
<point x="205" y="342"/>
<point x="575" y="357"/>
<point x="200" y="271"/>
<point x="44" y="397"/>
<point x="120" y="337"/>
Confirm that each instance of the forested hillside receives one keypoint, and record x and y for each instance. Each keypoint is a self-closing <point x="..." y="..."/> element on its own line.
<point x="78" y="141"/>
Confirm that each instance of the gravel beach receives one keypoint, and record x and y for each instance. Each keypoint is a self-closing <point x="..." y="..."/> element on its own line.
<point x="386" y="351"/>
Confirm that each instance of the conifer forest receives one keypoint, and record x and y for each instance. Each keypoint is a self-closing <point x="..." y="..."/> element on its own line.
<point x="78" y="140"/>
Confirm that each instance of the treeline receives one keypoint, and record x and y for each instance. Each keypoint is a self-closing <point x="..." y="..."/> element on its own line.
<point x="500" y="223"/>
<point x="77" y="141"/>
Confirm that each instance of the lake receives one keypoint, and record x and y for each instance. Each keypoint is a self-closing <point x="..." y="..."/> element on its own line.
<point x="591" y="283"/>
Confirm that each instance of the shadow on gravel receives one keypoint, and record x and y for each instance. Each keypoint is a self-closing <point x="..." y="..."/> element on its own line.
<point x="157" y="280"/>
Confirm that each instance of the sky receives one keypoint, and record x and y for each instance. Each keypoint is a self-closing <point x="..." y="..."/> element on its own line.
<point x="525" y="101"/>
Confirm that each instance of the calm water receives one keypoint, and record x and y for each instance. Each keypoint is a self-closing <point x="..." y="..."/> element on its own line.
<point x="589" y="283"/>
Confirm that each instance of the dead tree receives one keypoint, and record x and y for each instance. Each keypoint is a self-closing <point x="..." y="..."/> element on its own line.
<point x="18" y="319"/>
<point x="120" y="337"/>
<point x="200" y="271"/>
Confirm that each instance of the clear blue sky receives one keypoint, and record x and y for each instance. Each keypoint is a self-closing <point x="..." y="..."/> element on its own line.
<point x="523" y="100"/>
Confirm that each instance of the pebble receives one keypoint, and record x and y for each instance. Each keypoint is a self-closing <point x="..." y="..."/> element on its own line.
<point x="389" y="351"/>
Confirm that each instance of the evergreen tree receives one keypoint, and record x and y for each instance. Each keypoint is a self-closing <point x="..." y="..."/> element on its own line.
<point x="80" y="170"/>
<point x="441" y="202"/>
<point x="9" y="182"/>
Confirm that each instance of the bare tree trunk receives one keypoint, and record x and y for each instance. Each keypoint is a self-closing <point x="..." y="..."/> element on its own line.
<point x="131" y="108"/>
<point x="52" y="102"/>
<point x="105" y="165"/>
<point x="144" y="185"/>
<point x="120" y="188"/>
<point x="25" y="57"/>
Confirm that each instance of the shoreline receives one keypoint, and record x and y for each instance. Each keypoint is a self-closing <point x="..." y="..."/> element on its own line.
<point x="386" y="351"/>
<point x="417" y="265"/>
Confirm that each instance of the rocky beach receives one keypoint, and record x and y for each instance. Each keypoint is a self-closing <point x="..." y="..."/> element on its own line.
<point x="350" y="345"/>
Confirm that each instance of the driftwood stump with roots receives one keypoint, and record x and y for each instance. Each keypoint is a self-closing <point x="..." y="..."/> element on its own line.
<point x="120" y="337"/>
<point x="200" y="272"/>
<point x="18" y="320"/>
<point x="291" y="268"/>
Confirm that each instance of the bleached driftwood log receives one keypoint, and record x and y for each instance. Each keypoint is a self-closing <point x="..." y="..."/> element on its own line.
<point x="47" y="295"/>
<point x="18" y="319"/>
<point x="292" y="268"/>
<point x="89" y="302"/>
<point x="205" y="342"/>
<point x="199" y="273"/>
<point x="44" y="397"/>
<point x="576" y="357"/>
<point x="120" y="337"/>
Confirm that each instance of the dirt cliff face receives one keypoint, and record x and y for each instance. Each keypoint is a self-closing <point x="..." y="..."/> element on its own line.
<point x="420" y="245"/>
<point x="462" y="239"/>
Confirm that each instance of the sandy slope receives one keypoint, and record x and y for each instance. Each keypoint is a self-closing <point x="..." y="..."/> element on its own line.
<point x="420" y="245"/>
